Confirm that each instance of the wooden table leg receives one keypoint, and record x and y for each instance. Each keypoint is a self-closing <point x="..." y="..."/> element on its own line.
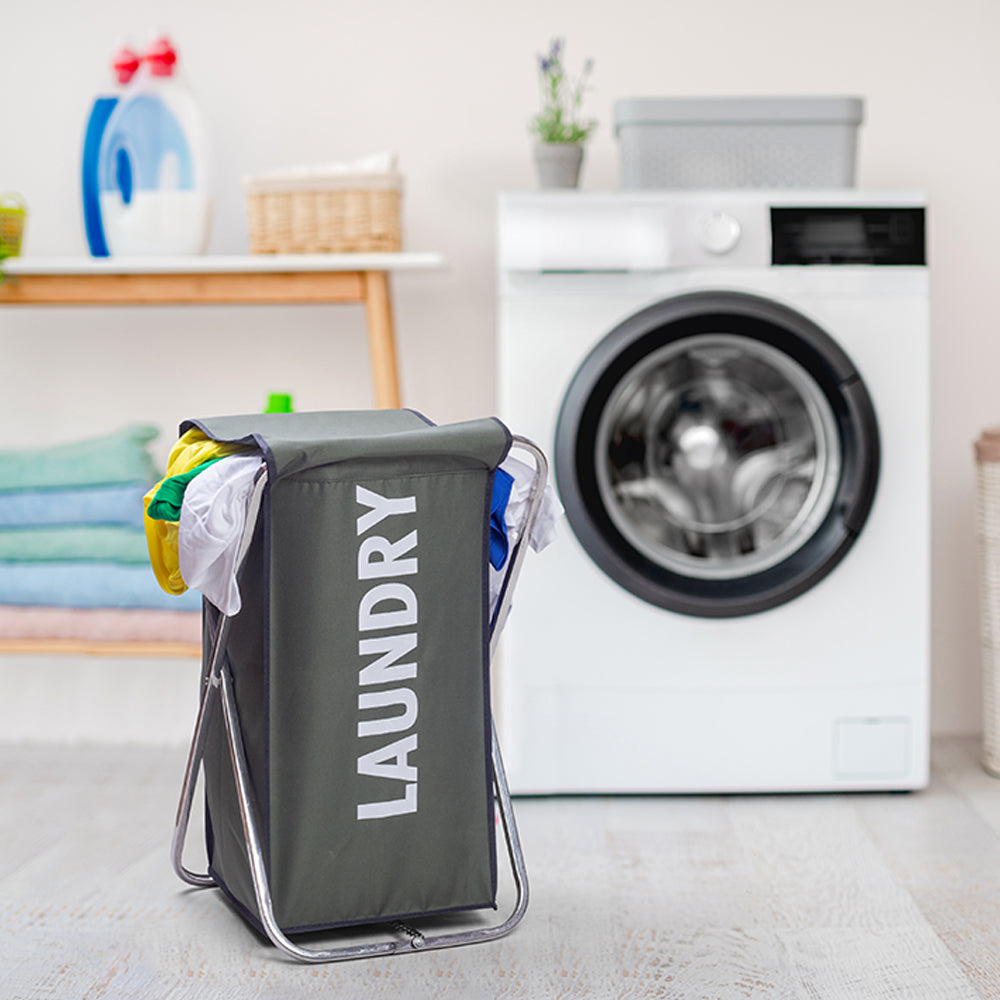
<point x="381" y="340"/>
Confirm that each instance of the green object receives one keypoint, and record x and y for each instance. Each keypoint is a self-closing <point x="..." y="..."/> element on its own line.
<point x="121" y="457"/>
<point x="99" y="543"/>
<point x="13" y="212"/>
<point x="278" y="402"/>
<point x="166" y="504"/>
<point x="360" y="670"/>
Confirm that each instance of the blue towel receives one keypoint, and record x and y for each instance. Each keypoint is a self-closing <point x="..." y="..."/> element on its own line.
<point x="499" y="543"/>
<point x="88" y="585"/>
<point x="94" y="505"/>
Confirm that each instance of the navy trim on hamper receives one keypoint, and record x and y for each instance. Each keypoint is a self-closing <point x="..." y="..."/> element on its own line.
<point x="248" y="439"/>
<point x="417" y="413"/>
<point x="209" y="837"/>
<point x="265" y="518"/>
<point x="251" y="918"/>
<point x="507" y="435"/>
<point x="486" y="632"/>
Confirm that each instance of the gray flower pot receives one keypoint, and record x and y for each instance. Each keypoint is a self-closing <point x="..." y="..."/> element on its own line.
<point x="558" y="163"/>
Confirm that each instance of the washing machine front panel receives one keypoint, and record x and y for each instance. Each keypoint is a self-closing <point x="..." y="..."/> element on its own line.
<point x="717" y="454"/>
<point x="603" y="691"/>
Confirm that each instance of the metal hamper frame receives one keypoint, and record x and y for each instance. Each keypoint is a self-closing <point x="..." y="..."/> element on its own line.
<point x="218" y="694"/>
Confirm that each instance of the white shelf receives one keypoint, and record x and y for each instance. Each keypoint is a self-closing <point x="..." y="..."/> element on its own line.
<point x="225" y="264"/>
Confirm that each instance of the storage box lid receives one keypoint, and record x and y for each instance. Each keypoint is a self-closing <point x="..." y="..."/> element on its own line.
<point x="737" y="110"/>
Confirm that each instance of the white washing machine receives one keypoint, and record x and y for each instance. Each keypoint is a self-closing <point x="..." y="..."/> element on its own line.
<point x="733" y="389"/>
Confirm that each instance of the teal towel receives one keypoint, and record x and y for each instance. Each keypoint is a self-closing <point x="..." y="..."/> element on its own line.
<point x="121" y="457"/>
<point x="90" y="543"/>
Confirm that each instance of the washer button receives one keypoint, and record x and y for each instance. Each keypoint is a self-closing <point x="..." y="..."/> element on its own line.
<point x="718" y="232"/>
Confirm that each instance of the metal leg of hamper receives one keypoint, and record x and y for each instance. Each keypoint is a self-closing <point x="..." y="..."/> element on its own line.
<point x="218" y="695"/>
<point x="211" y="681"/>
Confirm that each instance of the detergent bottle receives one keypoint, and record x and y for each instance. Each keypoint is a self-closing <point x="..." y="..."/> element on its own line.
<point x="152" y="169"/>
<point x="124" y="65"/>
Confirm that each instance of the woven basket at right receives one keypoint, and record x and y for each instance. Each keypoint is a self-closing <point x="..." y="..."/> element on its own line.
<point x="988" y="529"/>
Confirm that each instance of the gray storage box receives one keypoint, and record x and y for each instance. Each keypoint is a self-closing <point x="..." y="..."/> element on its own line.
<point x="732" y="142"/>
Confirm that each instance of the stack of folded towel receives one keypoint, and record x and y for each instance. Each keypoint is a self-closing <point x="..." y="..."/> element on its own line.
<point x="73" y="556"/>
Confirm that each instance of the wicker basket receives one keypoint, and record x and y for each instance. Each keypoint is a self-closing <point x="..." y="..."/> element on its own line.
<point x="988" y="530"/>
<point x="335" y="214"/>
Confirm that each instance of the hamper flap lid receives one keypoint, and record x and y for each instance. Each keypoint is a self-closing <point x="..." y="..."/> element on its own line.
<point x="294" y="442"/>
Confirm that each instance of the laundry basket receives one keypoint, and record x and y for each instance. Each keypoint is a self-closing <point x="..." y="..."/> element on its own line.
<point x="987" y="450"/>
<point x="352" y="773"/>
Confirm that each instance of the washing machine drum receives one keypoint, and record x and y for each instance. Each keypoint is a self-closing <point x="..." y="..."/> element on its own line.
<point x="717" y="454"/>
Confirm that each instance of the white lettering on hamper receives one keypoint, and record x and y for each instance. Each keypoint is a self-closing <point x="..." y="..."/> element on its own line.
<point x="392" y="723"/>
<point x="393" y="595"/>
<point x="376" y="763"/>
<point x="383" y="607"/>
<point x="381" y="508"/>
<point x="388" y="562"/>
<point x="385" y="670"/>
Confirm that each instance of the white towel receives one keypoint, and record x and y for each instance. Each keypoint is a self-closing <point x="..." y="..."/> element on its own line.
<point x="376" y="163"/>
<point x="212" y="520"/>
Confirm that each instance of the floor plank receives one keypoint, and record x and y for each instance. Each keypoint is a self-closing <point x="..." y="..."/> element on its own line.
<point x="811" y="896"/>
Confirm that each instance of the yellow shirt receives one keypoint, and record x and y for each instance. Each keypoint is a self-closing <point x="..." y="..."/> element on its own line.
<point x="192" y="448"/>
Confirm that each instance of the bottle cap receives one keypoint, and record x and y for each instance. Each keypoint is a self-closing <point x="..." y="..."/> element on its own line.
<point x="278" y="402"/>
<point x="161" y="57"/>
<point x="125" y="63"/>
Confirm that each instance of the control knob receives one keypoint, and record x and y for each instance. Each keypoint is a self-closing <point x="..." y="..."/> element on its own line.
<point x="718" y="232"/>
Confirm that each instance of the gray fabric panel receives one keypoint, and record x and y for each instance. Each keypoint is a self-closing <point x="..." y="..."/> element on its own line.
<point x="329" y="865"/>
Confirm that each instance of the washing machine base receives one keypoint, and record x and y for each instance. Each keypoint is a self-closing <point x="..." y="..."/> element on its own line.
<point x="715" y="741"/>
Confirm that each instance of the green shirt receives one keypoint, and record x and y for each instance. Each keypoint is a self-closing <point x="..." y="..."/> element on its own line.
<point x="166" y="505"/>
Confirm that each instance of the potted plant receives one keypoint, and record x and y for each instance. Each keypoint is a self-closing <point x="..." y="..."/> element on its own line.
<point x="559" y="130"/>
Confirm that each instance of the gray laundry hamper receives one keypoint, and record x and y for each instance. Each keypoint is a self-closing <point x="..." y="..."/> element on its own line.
<point x="351" y="769"/>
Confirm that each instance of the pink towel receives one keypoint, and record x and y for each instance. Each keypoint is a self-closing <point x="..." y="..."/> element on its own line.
<point x="99" y="624"/>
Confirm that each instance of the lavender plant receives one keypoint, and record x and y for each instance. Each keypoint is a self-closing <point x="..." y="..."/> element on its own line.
<point x="558" y="120"/>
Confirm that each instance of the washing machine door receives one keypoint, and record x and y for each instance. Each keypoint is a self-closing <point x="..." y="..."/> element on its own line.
<point x="717" y="454"/>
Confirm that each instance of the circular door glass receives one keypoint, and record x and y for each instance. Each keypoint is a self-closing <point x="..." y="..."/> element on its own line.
<point x="717" y="456"/>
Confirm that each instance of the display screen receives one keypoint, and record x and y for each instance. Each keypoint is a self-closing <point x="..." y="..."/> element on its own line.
<point x="847" y="236"/>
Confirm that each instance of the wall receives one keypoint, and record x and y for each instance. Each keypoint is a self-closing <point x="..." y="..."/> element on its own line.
<point x="450" y="86"/>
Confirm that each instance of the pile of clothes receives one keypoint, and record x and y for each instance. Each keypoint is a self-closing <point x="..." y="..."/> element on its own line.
<point x="73" y="553"/>
<point x="195" y="518"/>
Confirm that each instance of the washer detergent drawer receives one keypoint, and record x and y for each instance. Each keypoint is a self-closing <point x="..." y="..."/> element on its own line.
<point x="562" y="231"/>
<point x="602" y="238"/>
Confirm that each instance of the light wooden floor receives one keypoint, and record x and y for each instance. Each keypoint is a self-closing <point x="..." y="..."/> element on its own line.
<point x="815" y="897"/>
